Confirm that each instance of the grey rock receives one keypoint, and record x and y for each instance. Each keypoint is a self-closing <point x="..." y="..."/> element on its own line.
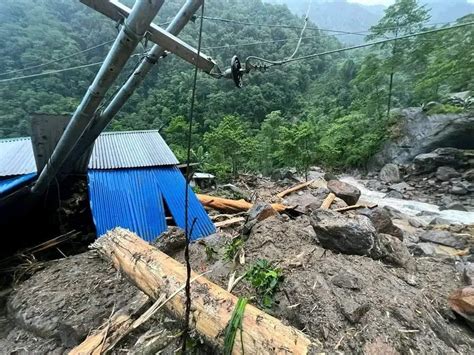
<point x="171" y="241"/>
<point x="444" y="238"/>
<point x="394" y="194"/>
<point x="382" y="222"/>
<point x="423" y="249"/>
<point x="458" y="190"/>
<point x="346" y="234"/>
<point x="401" y="187"/>
<point x="454" y="206"/>
<point x="446" y="173"/>
<point x="421" y="133"/>
<point x="469" y="175"/>
<point x="390" y="173"/>
<point x="350" y="194"/>
<point x="258" y="212"/>
<point x="396" y="253"/>
<point x="347" y="280"/>
<point x="468" y="273"/>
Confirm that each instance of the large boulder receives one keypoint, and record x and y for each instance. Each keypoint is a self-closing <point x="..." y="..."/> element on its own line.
<point x="429" y="162"/>
<point x="346" y="234"/>
<point x="390" y="173"/>
<point x="446" y="173"/>
<point x="419" y="133"/>
<point x="444" y="238"/>
<point x="468" y="175"/>
<point x="350" y="194"/>
<point x="258" y="212"/>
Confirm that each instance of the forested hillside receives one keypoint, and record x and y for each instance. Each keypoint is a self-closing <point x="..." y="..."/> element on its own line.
<point x="330" y="110"/>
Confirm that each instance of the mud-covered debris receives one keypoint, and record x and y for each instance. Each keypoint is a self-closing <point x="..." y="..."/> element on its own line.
<point x="171" y="241"/>
<point x="382" y="222"/>
<point x="444" y="238"/>
<point x="395" y="252"/>
<point x="258" y="212"/>
<point x="350" y="194"/>
<point x="461" y="302"/>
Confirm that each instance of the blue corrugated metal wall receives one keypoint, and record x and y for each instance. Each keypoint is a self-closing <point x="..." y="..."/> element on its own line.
<point x="8" y="185"/>
<point x="133" y="199"/>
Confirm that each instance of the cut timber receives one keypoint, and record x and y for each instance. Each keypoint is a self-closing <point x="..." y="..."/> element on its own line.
<point x="156" y="273"/>
<point x="328" y="201"/>
<point x="294" y="188"/>
<point x="354" y="207"/>
<point x="114" y="330"/>
<point x="227" y="205"/>
<point x="229" y="222"/>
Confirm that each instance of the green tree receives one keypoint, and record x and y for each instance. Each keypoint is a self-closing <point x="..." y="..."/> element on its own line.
<point x="401" y="18"/>
<point x="229" y="145"/>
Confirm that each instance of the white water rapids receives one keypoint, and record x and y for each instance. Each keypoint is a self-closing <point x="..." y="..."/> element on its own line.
<point x="410" y="207"/>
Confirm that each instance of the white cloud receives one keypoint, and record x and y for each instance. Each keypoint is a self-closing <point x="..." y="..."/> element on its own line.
<point x="373" y="2"/>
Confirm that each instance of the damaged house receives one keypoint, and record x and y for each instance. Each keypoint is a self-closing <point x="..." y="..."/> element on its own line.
<point x="132" y="177"/>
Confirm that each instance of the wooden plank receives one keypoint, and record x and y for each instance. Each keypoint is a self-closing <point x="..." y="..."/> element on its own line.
<point x="294" y="189"/>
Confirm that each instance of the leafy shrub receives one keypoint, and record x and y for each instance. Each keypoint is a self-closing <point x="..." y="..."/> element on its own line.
<point x="265" y="279"/>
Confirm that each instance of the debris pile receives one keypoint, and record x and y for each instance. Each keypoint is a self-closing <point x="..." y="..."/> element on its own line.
<point x="324" y="271"/>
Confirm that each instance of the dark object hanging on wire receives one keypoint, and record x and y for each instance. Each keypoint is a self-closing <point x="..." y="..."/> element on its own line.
<point x="236" y="71"/>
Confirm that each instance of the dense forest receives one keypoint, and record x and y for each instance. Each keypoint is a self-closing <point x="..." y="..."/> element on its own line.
<point x="333" y="110"/>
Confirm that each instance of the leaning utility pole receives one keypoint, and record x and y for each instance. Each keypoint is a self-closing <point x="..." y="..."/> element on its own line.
<point x="102" y="119"/>
<point x="133" y="30"/>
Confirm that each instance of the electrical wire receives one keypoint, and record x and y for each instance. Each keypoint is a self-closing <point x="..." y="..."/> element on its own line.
<point x="368" y="44"/>
<point x="306" y="18"/>
<point x="359" y="33"/>
<point x="50" y="72"/>
<point x="56" y="60"/>
<point x="188" y="233"/>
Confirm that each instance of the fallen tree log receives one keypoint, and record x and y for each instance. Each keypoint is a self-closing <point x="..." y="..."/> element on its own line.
<point x="114" y="329"/>
<point x="328" y="201"/>
<point x="294" y="188"/>
<point x="233" y="206"/>
<point x="156" y="273"/>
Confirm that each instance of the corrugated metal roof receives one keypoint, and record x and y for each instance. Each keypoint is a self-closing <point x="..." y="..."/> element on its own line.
<point x="7" y="185"/>
<point x="133" y="199"/>
<point x="46" y="130"/>
<point x="115" y="150"/>
<point x="112" y="150"/>
<point x="16" y="157"/>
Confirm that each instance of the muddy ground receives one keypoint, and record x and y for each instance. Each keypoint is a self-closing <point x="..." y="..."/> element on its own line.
<point x="345" y="303"/>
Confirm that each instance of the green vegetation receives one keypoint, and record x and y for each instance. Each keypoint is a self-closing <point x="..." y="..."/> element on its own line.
<point x="233" y="248"/>
<point x="266" y="279"/>
<point x="234" y="324"/>
<point x="331" y="110"/>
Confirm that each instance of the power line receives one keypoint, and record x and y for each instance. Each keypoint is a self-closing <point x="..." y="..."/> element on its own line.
<point x="310" y="56"/>
<point x="306" y="18"/>
<point x="50" y="72"/>
<point x="57" y="60"/>
<point x="358" y="33"/>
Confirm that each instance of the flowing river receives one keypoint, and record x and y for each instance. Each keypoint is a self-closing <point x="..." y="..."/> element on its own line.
<point x="410" y="207"/>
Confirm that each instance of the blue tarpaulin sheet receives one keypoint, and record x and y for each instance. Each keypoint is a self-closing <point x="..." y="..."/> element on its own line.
<point x="135" y="199"/>
<point x="10" y="184"/>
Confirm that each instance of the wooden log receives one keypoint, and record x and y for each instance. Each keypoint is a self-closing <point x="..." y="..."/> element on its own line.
<point x="294" y="188"/>
<point x="113" y="330"/>
<point x="353" y="207"/>
<point x="229" y="222"/>
<point x="156" y="273"/>
<point x="233" y="206"/>
<point x="328" y="201"/>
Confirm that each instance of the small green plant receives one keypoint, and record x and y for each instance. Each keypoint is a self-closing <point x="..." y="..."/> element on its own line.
<point x="265" y="279"/>
<point x="234" y="324"/>
<point x="210" y="252"/>
<point x="233" y="248"/>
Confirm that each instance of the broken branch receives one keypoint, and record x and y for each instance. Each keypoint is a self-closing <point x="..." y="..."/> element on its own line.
<point x="294" y="188"/>
<point x="328" y="201"/>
